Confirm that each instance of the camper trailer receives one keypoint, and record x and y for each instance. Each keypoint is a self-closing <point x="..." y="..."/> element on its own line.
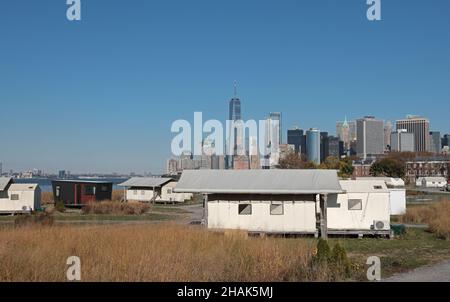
<point x="153" y="189"/>
<point x="364" y="208"/>
<point x="18" y="198"/>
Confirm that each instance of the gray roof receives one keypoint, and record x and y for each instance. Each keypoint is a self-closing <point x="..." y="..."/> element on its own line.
<point x="145" y="182"/>
<point x="4" y="182"/>
<point x="259" y="181"/>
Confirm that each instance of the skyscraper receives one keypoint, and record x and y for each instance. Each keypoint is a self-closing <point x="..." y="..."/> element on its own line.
<point x="445" y="140"/>
<point x="235" y="114"/>
<point x="313" y="145"/>
<point x="434" y="142"/>
<point x="420" y="127"/>
<point x="402" y="141"/>
<point x="324" y="146"/>
<point x="346" y="131"/>
<point x="295" y="138"/>
<point x="277" y="116"/>
<point x="387" y="135"/>
<point x="370" y="137"/>
<point x="336" y="146"/>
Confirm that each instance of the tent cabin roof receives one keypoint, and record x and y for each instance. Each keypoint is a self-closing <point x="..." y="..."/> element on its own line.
<point x="23" y="187"/>
<point x="146" y="182"/>
<point x="4" y="182"/>
<point x="299" y="182"/>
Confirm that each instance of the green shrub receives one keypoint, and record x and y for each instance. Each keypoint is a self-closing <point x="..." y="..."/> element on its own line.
<point x="60" y="206"/>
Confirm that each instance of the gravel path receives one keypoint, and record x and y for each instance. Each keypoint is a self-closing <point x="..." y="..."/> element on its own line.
<point x="436" y="273"/>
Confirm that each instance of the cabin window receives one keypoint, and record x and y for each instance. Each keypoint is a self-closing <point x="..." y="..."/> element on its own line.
<point x="276" y="209"/>
<point x="245" y="209"/>
<point x="355" y="204"/>
<point x="58" y="191"/>
<point x="14" y="196"/>
<point x="89" y="190"/>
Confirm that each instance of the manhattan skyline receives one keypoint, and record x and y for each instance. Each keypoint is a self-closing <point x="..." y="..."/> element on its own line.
<point x="100" y="95"/>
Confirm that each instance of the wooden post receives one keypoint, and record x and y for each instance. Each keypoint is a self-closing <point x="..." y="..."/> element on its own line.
<point x="323" y="217"/>
<point x="125" y="194"/>
<point x="205" y="209"/>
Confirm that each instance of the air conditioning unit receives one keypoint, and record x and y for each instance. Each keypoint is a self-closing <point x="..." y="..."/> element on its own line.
<point x="381" y="225"/>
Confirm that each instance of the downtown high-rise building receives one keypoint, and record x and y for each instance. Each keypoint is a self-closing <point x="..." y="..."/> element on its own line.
<point x="346" y="132"/>
<point x="370" y="137"/>
<point x="324" y="146"/>
<point x="445" y="140"/>
<point x="402" y="141"/>
<point x="387" y="135"/>
<point x="277" y="116"/>
<point x="295" y="138"/>
<point x="434" y="142"/>
<point x="420" y="127"/>
<point x="235" y="140"/>
<point x="313" y="145"/>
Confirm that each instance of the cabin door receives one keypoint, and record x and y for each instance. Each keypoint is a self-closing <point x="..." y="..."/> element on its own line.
<point x="78" y="194"/>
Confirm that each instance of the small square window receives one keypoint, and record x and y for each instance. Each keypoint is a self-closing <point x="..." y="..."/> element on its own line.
<point x="14" y="196"/>
<point x="169" y="191"/>
<point x="276" y="209"/>
<point x="143" y="192"/>
<point x="135" y="192"/>
<point x="245" y="209"/>
<point x="377" y="187"/>
<point x="104" y="189"/>
<point x="355" y="204"/>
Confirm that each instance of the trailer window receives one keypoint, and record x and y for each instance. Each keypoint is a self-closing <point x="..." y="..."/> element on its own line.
<point x="276" y="209"/>
<point x="245" y="209"/>
<point x="355" y="204"/>
<point x="89" y="190"/>
<point x="14" y="196"/>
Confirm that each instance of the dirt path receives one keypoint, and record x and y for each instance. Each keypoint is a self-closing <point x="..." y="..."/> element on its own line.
<point x="435" y="273"/>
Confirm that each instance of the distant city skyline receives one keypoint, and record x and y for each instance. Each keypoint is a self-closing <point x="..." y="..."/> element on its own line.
<point x="100" y="95"/>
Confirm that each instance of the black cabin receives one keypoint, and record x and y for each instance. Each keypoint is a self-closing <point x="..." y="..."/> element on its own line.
<point x="81" y="192"/>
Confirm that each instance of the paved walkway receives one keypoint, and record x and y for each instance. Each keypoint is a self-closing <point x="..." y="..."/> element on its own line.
<point x="436" y="273"/>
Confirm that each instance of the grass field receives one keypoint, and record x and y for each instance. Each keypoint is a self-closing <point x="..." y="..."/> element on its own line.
<point x="166" y="252"/>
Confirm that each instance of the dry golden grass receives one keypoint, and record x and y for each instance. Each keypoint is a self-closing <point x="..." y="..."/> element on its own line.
<point x="436" y="215"/>
<point x="152" y="253"/>
<point x="116" y="208"/>
<point x="47" y="198"/>
<point x="117" y="195"/>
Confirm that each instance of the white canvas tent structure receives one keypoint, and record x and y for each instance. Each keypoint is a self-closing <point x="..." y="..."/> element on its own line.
<point x="433" y="182"/>
<point x="397" y="193"/>
<point x="364" y="208"/>
<point x="152" y="189"/>
<point x="18" y="198"/>
<point x="263" y="201"/>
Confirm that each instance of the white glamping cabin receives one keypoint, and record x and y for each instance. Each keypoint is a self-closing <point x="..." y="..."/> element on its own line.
<point x="397" y="193"/>
<point x="18" y="198"/>
<point x="364" y="208"/>
<point x="153" y="189"/>
<point x="262" y="201"/>
<point x="431" y="182"/>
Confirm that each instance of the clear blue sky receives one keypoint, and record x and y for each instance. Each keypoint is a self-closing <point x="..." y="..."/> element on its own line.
<point x="100" y="95"/>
